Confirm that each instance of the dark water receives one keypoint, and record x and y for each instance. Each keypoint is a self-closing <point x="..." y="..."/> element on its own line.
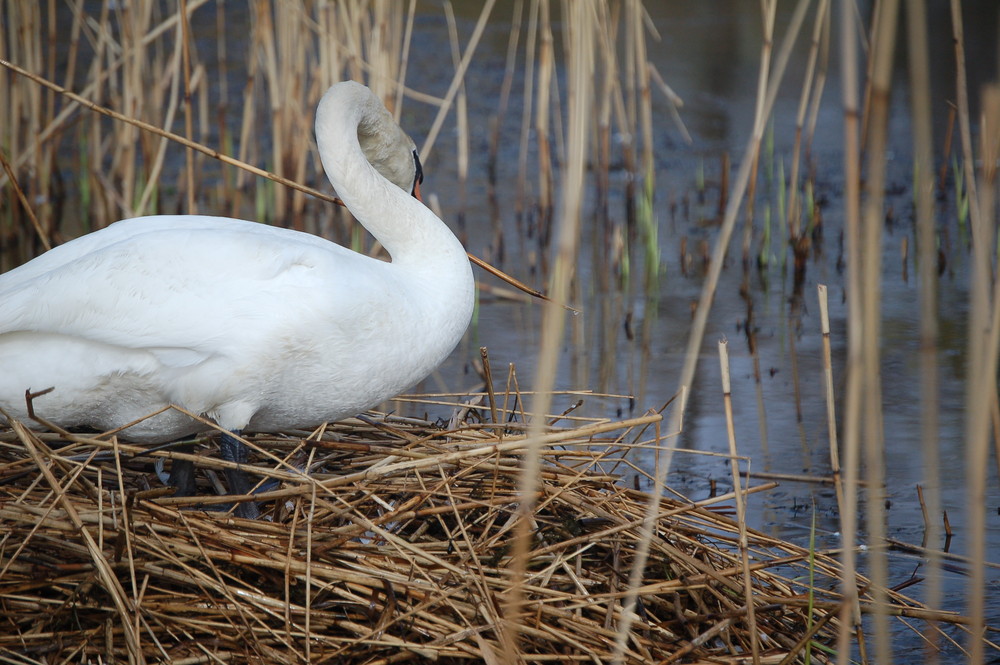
<point x="709" y="55"/>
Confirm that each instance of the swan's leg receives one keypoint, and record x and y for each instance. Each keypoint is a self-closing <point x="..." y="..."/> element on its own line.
<point x="182" y="473"/>
<point x="234" y="451"/>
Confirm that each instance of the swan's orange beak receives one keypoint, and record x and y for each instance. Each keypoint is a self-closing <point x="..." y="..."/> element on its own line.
<point x="416" y="191"/>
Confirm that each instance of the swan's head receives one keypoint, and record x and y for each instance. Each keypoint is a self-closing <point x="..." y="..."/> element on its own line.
<point x="386" y="147"/>
<point x="393" y="154"/>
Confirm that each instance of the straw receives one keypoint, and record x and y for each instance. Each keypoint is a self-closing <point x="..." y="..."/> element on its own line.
<point x="363" y="561"/>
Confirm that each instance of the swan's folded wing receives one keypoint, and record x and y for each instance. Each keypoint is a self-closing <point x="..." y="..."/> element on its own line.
<point x="184" y="294"/>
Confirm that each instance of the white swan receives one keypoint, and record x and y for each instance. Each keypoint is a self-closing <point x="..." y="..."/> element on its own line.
<point x="258" y="328"/>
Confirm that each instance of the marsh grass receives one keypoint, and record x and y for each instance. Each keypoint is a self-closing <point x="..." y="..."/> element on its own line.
<point x="481" y="497"/>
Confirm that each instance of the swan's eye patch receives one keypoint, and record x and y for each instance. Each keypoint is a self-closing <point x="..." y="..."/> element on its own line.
<point x="420" y="169"/>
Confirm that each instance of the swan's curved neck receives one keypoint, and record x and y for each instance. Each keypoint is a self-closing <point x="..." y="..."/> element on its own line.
<point x="405" y="227"/>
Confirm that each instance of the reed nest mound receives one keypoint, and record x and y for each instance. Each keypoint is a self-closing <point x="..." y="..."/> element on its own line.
<point x="396" y="546"/>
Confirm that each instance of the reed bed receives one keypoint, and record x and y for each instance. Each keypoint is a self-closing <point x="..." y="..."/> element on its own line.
<point x="396" y="546"/>
<point x="440" y="582"/>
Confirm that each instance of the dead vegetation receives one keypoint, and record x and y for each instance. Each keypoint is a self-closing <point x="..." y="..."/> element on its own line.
<point x="396" y="546"/>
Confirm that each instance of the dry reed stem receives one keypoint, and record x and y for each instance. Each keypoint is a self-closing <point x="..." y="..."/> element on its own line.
<point x="851" y="613"/>
<point x="226" y="159"/>
<point x="580" y="35"/>
<point x="794" y="216"/>
<point x="873" y="215"/>
<point x="185" y="41"/>
<point x="984" y="337"/>
<point x="543" y="107"/>
<point x="920" y="92"/>
<point x="831" y="414"/>
<point x="527" y="106"/>
<point x="458" y="78"/>
<point x="461" y="112"/>
<point x="43" y="237"/>
<point x="152" y="183"/>
<point x="393" y="563"/>
<point x="741" y="517"/>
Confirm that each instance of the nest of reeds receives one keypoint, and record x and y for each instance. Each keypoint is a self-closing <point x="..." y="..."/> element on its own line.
<point x="396" y="546"/>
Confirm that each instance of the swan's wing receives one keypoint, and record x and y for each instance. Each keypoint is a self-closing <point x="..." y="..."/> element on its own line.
<point x="75" y="249"/>
<point x="184" y="290"/>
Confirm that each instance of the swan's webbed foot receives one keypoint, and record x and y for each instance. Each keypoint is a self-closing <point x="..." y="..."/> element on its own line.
<point x="182" y="473"/>
<point x="233" y="450"/>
